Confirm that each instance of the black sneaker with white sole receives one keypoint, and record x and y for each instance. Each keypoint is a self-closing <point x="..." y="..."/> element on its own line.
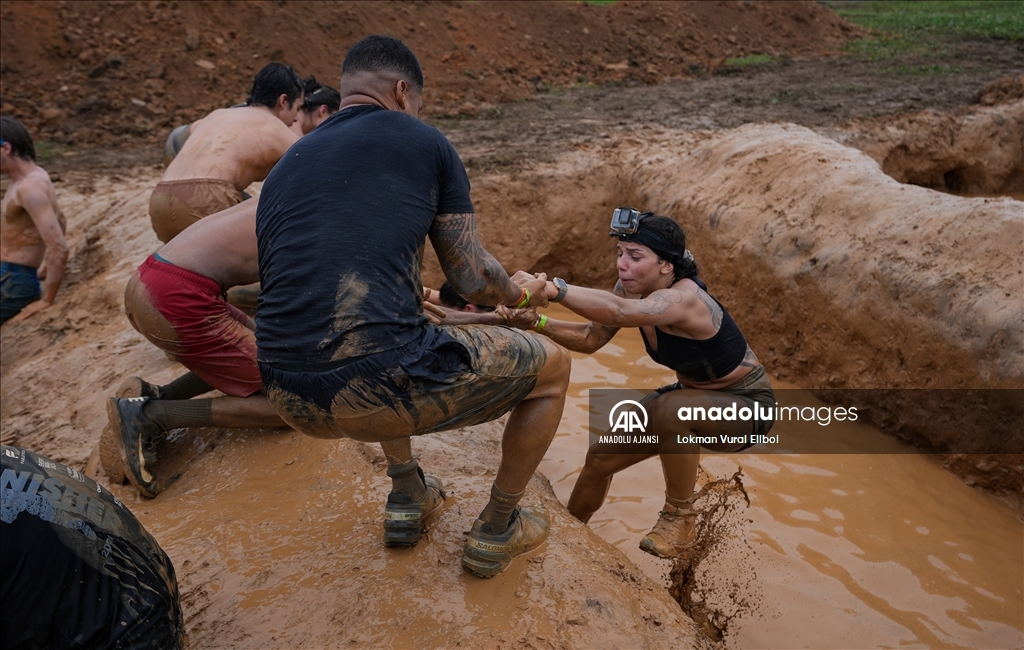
<point x="137" y="437"/>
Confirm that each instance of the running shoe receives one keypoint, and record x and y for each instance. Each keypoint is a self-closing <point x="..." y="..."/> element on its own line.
<point x="137" y="387"/>
<point x="405" y="519"/>
<point x="137" y="437"/>
<point x="487" y="554"/>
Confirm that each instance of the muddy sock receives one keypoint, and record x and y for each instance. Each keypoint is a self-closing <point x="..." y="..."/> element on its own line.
<point x="187" y="386"/>
<point x="498" y="511"/>
<point x="179" y="414"/>
<point x="682" y="504"/>
<point x="407" y="478"/>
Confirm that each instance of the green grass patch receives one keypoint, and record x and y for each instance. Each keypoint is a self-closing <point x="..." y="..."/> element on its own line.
<point x="977" y="18"/>
<point x="600" y="3"/>
<point x="1002" y="19"/>
<point x="750" y="59"/>
<point x="887" y="46"/>
<point x="916" y="28"/>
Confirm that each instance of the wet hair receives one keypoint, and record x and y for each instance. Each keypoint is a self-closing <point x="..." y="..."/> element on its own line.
<point x="14" y="132"/>
<point x="380" y="53"/>
<point x="683" y="264"/>
<point x="315" y="95"/>
<point x="274" y="80"/>
<point x="451" y="298"/>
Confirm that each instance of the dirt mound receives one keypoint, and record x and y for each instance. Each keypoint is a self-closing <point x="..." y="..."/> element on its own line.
<point x="1001" y="91"/>
<point x="977" y="150"/>
<point x="102" y="72"/>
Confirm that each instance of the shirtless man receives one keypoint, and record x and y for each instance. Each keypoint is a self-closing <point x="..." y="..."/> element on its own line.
<point x="31" y="229"/>
<point x="175" y="300"/>
<point x="226" y="151"/>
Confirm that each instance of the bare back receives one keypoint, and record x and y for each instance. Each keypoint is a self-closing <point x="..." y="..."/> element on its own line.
<point x="20" y="239"/>
<point x="221" y="247"/>
<point x="238" y="145"/>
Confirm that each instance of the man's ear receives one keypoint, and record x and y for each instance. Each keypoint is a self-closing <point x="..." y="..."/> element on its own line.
<point x="402" y="93"/>
<point x="282" y="102"/>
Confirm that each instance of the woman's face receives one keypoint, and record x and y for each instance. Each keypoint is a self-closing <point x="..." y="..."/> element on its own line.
<point x="309" y="120"/>
<point x="640" y="270"/>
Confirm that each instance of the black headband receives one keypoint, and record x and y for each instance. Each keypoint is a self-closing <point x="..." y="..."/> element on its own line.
<point x="653" y="240"/>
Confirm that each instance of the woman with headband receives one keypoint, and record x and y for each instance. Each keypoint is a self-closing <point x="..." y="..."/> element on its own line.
<point x="683" y="328"/>
<point x="319" y="102"/>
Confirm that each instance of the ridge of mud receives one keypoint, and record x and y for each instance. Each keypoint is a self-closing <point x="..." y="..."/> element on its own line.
<point x="842" y="276"/>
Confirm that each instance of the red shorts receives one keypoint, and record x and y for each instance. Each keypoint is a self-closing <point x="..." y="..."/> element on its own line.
<point x="185" y="314"/>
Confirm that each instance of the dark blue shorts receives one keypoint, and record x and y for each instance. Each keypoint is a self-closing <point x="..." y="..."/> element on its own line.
<point x="19" y="287"/>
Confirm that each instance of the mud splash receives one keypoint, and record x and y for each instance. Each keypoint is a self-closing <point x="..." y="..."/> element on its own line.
<point x="717" y="504"/>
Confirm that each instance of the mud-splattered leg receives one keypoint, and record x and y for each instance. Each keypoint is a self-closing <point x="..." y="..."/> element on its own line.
<point x="402" y="467"/>
<point x="527" y="436"/>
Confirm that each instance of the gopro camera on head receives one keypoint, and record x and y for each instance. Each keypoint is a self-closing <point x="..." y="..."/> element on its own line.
<point x="625" y="221"/>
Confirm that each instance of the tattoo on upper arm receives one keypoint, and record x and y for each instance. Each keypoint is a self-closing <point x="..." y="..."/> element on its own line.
<point x="659" y="302"/>
<point x="717" y="315"/>
<point x="469" y="267"/>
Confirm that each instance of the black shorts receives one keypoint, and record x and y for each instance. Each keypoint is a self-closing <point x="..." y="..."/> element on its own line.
<point x="452" y="376"/>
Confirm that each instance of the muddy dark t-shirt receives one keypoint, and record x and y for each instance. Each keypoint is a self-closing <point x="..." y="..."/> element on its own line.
<point x="341" y="223"/>
<point x="78" y="569"/>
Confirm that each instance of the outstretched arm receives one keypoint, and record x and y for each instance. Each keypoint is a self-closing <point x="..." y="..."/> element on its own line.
<point x="663" y="307"/>
<point x="586" y="337"/>
<point x="36" y="201"/>
<point x="473" y="272"/>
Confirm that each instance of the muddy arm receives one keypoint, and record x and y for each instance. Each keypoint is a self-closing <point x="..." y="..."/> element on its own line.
<point x="473" y="272"/>
<point x="37" y="204"/>
<point x="586" y="337"/>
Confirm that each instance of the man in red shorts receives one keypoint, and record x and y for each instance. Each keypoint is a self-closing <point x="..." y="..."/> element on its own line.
<point x="176" y="300"/>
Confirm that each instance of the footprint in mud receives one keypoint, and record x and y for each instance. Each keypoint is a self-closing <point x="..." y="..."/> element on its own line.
<point x="711" y="596"/>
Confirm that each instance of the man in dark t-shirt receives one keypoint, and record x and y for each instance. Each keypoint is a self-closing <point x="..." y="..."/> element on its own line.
<point x="343" y="344"/>
<point x="79" y="570"/>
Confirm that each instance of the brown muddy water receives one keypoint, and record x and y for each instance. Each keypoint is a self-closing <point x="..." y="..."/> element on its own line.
<point x="835" y="551"/>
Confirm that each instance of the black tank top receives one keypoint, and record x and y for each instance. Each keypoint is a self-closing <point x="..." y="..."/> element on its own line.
<point x="705" y="360"/>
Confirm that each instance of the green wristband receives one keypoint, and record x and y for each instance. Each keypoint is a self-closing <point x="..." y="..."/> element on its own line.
<point x="541" y="323"/>
<point x="526" y="299"/>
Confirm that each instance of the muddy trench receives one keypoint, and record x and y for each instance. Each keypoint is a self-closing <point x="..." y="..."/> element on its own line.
<point x="840" y="276"/>
<point x="844" y="277"/>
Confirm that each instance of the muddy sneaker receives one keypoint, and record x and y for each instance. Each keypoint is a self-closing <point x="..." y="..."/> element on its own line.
<point x="404" y="519"/>
<point x="136" y="387"/>
<point x="672" y="532"/>
<point x="487" y="554"/>
<point x="137" y="438"/>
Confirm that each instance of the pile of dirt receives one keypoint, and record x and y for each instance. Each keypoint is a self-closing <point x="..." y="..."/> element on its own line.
<point x="110" y="72"/>
<point x="977" y="150"/>
<point x="1002" y="91"/>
